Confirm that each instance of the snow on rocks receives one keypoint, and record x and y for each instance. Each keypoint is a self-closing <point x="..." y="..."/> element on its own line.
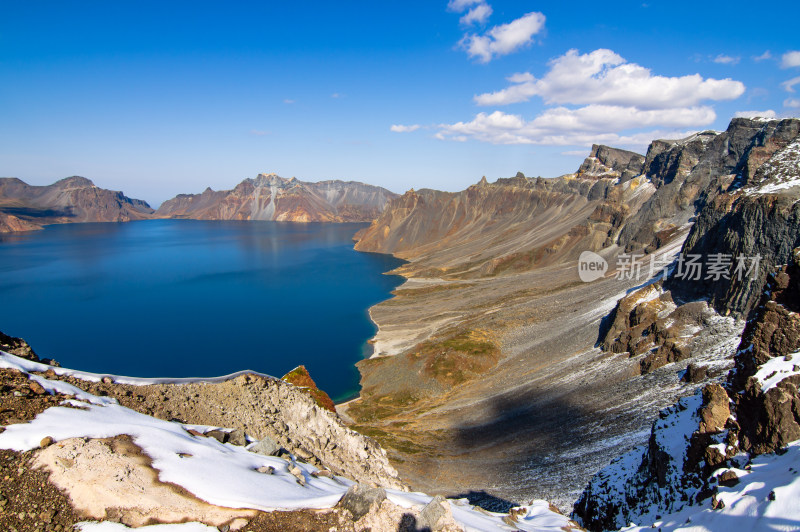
<point x="108" y="526"/>
<point x="650" y="479"/>
<point x="767" y="497"/>
<point x="94" y="442"/>
<point x="776" y="369"/>
<point x="780" y="173"/>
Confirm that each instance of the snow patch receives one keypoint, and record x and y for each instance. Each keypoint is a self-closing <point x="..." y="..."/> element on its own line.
<point x="776" y="369"/>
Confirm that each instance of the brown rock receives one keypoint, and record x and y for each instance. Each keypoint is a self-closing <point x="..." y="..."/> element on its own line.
<point x="36" y="388"/>
<point x="47" y="441"/>
<point x="716" y="409"/>
<point x="728" y="478"/>
<point x="695" y="374"/>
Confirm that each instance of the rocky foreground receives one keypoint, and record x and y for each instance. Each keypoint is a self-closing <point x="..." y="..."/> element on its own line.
<point x="732" y="451"/>
<point x="244" y="452"/>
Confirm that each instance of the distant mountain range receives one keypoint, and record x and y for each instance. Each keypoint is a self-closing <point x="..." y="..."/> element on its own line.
<point x="76" y="199"/>
<point x="270" y="197"/>
<point x="24" y="207"/>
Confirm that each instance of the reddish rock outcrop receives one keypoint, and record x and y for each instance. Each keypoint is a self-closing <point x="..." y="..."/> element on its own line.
<point x="300" y="377"/>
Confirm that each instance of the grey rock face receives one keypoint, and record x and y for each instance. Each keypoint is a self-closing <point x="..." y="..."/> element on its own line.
<point x="690" y="172"/>
<point x="359" y="499"/>
<point x="604" y="161"/>
<point x="433" y="512"/>
<point x="759" y="222"/>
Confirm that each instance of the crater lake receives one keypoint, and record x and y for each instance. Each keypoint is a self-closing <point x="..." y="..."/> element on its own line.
<point x="188" y="298"/>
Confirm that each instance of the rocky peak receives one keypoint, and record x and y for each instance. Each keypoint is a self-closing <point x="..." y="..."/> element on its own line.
<point x="604" y="161"/>
<point x="689" y="173"/>
<point x="74" y="182"/>
<point x="267" y="180"/>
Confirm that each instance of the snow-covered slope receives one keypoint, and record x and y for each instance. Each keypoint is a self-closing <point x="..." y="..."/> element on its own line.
<point x="727" y="458"/>
<point x="219" y="474"/>
<point x="767" y="497"/>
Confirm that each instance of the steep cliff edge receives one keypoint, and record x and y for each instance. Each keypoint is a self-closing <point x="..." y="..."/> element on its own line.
<point x="707" y="444"/>
<point x="71" y="200"/>
<point x="270" y="197"/>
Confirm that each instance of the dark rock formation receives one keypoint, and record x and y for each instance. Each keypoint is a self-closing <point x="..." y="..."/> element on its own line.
<point x="770" y="418"/>
<point x="18" y="347"/>
<point x="757" y="412"/>
<point x="688" y="173"/>
<point x="757" y="224"/>
<point x="73" y="199"/>
<point x="604" y="161"/>
<point x="270" y="197"/>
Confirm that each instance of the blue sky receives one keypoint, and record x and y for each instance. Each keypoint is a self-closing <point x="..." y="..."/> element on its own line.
<point x="158" y="98"/>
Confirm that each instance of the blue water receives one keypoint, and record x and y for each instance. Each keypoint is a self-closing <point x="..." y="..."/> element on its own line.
<point x="186" y="298"/>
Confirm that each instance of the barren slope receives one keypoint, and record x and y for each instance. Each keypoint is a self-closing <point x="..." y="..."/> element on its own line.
<point x="493" y="337"/>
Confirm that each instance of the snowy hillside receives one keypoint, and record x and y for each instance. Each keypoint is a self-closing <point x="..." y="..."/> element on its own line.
<point x="220" y="484"/>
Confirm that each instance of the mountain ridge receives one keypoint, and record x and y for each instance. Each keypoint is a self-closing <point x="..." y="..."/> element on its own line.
<point x="271" y="197"/>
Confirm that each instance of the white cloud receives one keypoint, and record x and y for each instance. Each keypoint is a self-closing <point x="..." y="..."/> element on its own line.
<point x="586" y="125"/>
<point x="792" y="103"/>
<point x="790" y="59"/>
<point x="288" y="101"/>
<point x="478" y="14"/>
<point x="604" y="77"/>
<point x="397" y="128"/>
<point x="789" y="85"/>
<point x="769" y="113"/>
<point x="726" y="59"/>
<point x="503" y="39"/>
<point x="336" y="95"/>
<point x="763" y="57"/>
<point x="460" y="5"/>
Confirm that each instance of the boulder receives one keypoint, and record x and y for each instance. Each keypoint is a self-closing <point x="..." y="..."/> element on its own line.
<point x="265" y="446"/>
<point x="360" y="499"/>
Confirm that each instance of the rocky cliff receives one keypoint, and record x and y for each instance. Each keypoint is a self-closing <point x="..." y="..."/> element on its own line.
<point x="699" y="448"/>
<point x="71" y="200"/>
<point x="756" y="221"/>
<point x="510" y="225"/>
<point x="616" y="197"/>
<point x="270" y="197"/>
